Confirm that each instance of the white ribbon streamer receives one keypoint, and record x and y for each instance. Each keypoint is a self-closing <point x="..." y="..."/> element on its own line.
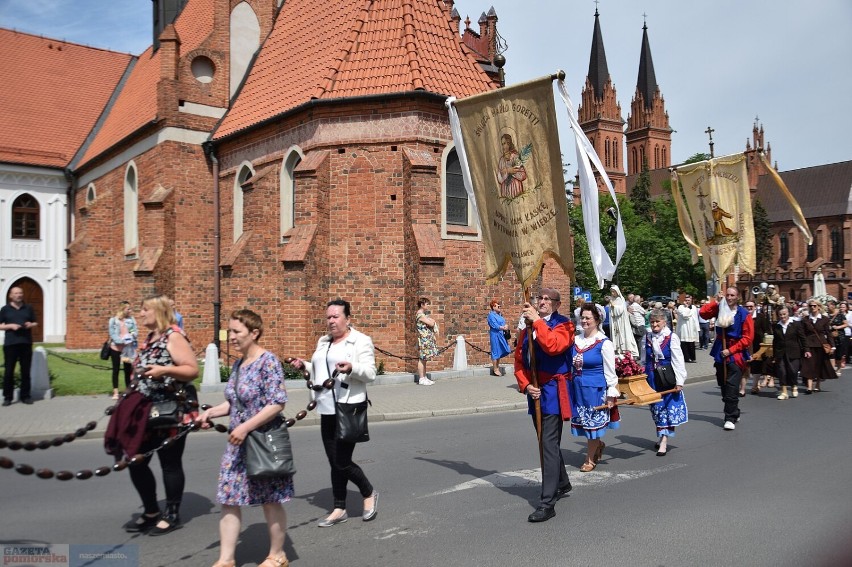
<point x="601" y="262"/>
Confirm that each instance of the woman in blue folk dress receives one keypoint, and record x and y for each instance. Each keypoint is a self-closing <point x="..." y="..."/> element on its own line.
<point x="255" y="397"/>
<point x="593" y="383"/>
<point x="662" y="348"/>
<point x="499" y="345"/>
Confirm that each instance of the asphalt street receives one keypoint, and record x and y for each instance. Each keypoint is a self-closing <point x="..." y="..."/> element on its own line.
<point x="456" y="491"/>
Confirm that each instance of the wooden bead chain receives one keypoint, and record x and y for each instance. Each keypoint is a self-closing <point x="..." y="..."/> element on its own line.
<point x="183" y="430"/>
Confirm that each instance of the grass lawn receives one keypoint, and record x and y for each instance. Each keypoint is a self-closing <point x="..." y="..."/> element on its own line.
<point x="84" y="373"/>
<point x="78" y="373"/>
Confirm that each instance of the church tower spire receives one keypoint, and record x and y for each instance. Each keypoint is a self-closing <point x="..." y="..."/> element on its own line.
<point x="600" y="113"/>
<point x="649" y="136"/>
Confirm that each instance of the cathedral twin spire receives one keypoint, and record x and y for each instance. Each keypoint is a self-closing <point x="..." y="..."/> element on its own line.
<point x="648" y="132"/>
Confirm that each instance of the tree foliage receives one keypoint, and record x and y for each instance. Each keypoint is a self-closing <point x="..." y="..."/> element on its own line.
<point x="640" y="196"/>
<point x="762" y="236"/>
<point x="657" y="259"/>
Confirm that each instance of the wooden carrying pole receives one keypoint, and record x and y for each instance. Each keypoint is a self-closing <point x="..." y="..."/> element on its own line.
<point x="632" y="402"/>
<point x="534" y="383"/>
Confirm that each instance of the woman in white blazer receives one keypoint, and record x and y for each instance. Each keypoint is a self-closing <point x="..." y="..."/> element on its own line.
<point x="350" y="354"/>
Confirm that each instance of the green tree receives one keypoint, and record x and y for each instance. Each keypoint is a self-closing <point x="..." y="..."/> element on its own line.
<point x="695" y="158"/>
<point x="640" y="195"/>
<point x="656" y="259"/>
<point x="762" y="236"/>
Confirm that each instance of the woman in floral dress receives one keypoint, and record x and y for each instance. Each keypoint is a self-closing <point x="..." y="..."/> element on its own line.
<point x="662" y="348"/>
<point x="427" y="328"/>
<point x="257" y="383"/>
<point x="593" y="383"/>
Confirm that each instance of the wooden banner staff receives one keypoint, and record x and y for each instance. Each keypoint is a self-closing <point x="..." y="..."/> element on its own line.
<point x="534" y="382"/>
<point x="631" y="402"/>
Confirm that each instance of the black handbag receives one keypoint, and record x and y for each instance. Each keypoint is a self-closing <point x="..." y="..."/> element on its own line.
<point x="165" y="414"/>
<point x="267" y="454"/>
<point x="352" y="422"/>
<point x="507" y="334"/>
<point x="664" y="378"/>
<point x="105" y="351"/>
<point x="351" y="418"/>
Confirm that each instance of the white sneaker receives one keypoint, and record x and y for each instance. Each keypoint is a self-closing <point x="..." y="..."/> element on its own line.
<point x="729" y="426"/>
<point x="426" y="382"/>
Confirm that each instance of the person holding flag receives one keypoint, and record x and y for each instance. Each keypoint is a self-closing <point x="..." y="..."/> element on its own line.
<point x="552" y="336"/>
<point x="734" y="333"/>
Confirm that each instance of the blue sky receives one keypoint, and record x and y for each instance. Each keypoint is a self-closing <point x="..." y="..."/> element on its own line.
<point x="719" y="63"/>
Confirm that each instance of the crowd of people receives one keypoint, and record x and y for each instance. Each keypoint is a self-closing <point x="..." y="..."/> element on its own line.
<point x="163" y="369"/>
<point x="564" y="363"/>
<point x="569" y="372"/>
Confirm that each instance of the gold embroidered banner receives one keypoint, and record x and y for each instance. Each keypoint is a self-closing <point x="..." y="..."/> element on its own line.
<point x="719" y="204"/>
<point x="512" y="149"/>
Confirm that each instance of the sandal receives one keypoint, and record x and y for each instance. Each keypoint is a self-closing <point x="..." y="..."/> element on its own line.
<point x="770" y="383"/>
<point x="588" y="467"/>
<point x="280" y="561"/>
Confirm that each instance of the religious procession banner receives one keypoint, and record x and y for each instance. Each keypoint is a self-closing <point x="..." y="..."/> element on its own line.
<point x="508" y="140"/>
<point x="716" y="218"/>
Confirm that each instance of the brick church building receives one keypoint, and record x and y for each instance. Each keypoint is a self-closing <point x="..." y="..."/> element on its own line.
<point x="824" y="192"/>
<point x="276" y="155"/>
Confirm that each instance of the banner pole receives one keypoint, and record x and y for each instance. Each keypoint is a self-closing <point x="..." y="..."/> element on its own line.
<point x="534" y="382"/>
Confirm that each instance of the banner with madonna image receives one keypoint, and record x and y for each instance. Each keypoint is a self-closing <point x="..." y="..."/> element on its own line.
<point x="508" y="139"/>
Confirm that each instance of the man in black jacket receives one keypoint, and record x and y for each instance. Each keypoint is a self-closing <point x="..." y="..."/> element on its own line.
<point x="17" y="319"/>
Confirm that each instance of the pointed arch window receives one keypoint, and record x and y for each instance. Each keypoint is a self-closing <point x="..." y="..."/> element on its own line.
<point x="456" y="197"/>
<point x="131" y="211"/>
<point x="243" y="176"/>
<point x="606" y="152"/>
<point x="784" y="248"/>
<point x="634" y="158"/>
<point x="615" y="148"/>
<point x="288" y="190"/>
<point x="665" y="158"/>
<point x="26" y="217"/>
<point x="836" y="245"/>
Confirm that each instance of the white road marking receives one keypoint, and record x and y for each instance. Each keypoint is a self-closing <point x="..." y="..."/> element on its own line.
<point x="532" y="477"/>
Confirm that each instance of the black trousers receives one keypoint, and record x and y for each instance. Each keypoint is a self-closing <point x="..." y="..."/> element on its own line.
<point x="703" y="334"/>
<point x="730" y="389"/>
<point x="115" y="357"/>
<point x="14" y="354"/>
<point x="553" y="473"/>
<point x="688" y="351"/>
<point x="343" y="470"/>
<point x="787" y="371"/>
<point x="171" y="462"/>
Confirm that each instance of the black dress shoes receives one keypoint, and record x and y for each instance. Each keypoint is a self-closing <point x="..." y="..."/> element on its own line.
<point x="6" y="403"/>
<point x="563" y="492"/>
<point x="142" y="524"/>
<point x="542" y="514"/>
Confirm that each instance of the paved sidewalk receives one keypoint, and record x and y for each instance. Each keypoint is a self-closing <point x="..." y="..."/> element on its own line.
<point x="394" y="397"/>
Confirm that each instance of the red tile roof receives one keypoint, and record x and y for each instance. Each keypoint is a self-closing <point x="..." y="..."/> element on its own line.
<point x="330" y="49"/>
<point x="53" y="93"/>
<point x="137" y="103"/>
